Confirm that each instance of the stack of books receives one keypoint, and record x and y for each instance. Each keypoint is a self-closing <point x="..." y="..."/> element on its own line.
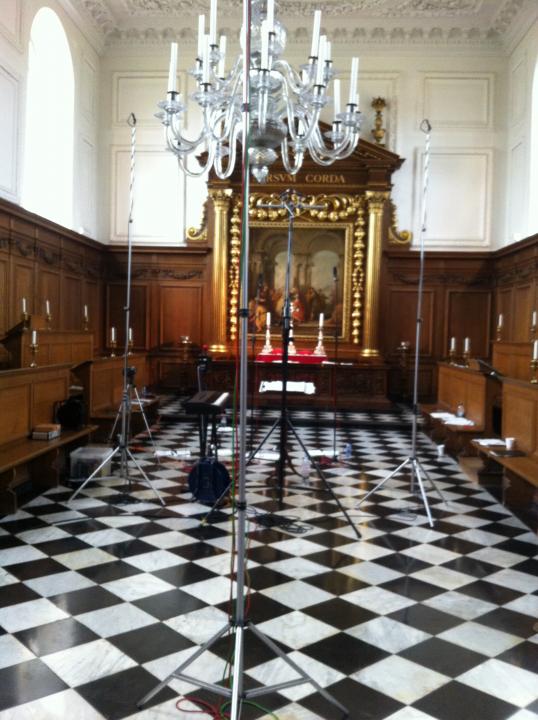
<point x="46" y="431"/>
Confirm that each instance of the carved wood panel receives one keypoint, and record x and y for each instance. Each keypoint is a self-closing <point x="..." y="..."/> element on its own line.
<point x="139" y="313"/>
<point x="469" y="316"/>
<point x="181" y="313"/>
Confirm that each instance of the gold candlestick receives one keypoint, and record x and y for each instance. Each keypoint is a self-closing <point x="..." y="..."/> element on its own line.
<point x="499" y="333"/>
<point x="267" y="348"/>
<point x="534" y="368"/>
<point x="113" y="345"/>
<point x="130" y="346"/>
<point x="33" y="349"/>
<point x="466" y="358"/>
<point x="533" y="333"/>
<point x="25" y="319"/>
<point x="48" y="320"/>
<point x="452" y="357"/>
<point x="85" y="324"/>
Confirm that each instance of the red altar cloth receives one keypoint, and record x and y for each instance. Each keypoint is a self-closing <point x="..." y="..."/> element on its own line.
<point x="301" y="357"/>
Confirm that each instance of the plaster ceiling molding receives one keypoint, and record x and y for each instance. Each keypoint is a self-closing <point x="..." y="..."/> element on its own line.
<point x="506" y="15"/>
<point x="100" y="14"/>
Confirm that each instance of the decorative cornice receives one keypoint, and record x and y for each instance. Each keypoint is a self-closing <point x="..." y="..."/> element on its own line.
<point x="506" y="15"/>
<point x="145" y="273"/>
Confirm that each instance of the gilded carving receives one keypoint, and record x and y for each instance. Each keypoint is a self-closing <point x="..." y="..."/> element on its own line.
<point x="199" y="234"/>
<point x="397" y="237"/>
<point x="234" y="270"/>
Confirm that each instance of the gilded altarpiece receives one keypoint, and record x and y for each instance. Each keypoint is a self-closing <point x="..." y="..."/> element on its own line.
<point x="346" y="235"/>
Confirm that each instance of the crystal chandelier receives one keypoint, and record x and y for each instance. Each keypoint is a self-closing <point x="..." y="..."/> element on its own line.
<point x="284" y="104"/>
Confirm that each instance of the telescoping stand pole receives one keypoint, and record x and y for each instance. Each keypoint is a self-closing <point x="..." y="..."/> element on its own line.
<point x="412" y="461"/>
<point x="124" y="411"/>
<point x="236" y="694"/>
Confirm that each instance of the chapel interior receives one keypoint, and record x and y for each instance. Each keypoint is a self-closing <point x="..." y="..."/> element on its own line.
<point x="269" y="437"/>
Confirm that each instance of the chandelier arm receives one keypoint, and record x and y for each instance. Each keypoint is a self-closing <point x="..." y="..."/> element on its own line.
<point x="184" y="159"/>
<point x="223" y="175"/>
<point x="291" y="168"/>
<point x="292" y="76"/>
<point x="187" y="145"/>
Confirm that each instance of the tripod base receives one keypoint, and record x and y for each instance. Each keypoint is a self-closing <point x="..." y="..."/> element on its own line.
<point x="235" y="696"/>
<point x="417" y="474"/>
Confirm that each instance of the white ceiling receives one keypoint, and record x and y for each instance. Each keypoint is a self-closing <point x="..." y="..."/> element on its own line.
<point x="393" y="21"/>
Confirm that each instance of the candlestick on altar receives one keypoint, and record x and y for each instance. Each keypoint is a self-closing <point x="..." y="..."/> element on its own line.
<point x="24" y="313"/>
<point x="319" y="349"/>
<point x="48" y="316"/>
<point x="85" y="319"/>
<point x="452" y="351"/>
<point x="113" y="343"/>
<point x="533" y="325"/>
<point x="534" y="368"/>
<point x="292" y="350"/>
<point x="33" y="348"/>
<point x="466" y="351"/>
<point x="500" y="323"/>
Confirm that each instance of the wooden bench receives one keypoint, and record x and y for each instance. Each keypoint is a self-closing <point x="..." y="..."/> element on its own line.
<point x="511" y="478"/>
<point x="478" y="393"/>
<point x="28" y="397"/>
<point x="102" y="380"/>
<point x="38" y="461"/>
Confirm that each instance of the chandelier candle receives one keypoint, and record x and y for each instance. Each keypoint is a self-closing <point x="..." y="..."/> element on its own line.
<point x="285" y="103"/>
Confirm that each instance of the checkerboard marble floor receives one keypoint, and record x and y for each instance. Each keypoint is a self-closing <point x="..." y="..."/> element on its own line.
<point x="99" y="601"/>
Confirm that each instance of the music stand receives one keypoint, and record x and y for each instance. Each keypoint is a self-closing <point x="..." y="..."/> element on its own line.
<point x="290" y="201"/>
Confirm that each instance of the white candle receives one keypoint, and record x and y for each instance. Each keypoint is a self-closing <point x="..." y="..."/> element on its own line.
<point x="533" y="321"/>
<point x="206" y="67"/>
<point x="47" y="307"/>
<point x="353" y="81"/>
<point x="85" y="312"/>
<point x="535" y="350"/>
<point x="34" y="337"/>
<point x="24" y="305"/>
<point x="337" y="101"/>
<point x="222" y="51"/>
<point x="452" y="344"/>
<point x="172" y="71"/>
<point x="130" y="335"/>
<point x="271" y="15"/>
<point x="321" y="318"/>
<point x="112" y="334"/>
<point x="201" y="35"/>
<point x="264" y="61"/>
<point x="466" y="345"/>
<point x="268" y="319"/>
<point x="213" y="23"/>
<point x="328" y="51"/>
<point x="500" y="320"/>
<point x="315" y="33"/>
<point x="321" y="60"/>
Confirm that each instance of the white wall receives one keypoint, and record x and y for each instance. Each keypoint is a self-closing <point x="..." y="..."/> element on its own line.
<point x="522" y="144"/>
<point x="16" y="18"/>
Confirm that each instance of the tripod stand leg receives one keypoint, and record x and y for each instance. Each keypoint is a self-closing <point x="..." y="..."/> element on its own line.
<point x="432" y="483"/>
<point x="382" y="482"/>
<point x="146" y="478"/>
<point x="323" y="479"/>
<point x="145" y="421"/>
<point x="262" y="442"/>
<point x="237" y="685"/>
<point x="111" y="434"/>
<point x="94" y="473"/>
<point x="416" y="472"/>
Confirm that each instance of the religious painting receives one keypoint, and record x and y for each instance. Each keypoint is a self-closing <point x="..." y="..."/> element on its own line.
<point x="319" y="277"/>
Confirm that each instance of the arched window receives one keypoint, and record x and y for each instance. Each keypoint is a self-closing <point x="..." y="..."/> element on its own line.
<point x="533" y="185"/>
<point x="47" y="181"/>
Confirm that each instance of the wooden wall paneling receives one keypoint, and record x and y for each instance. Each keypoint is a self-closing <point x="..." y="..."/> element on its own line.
<point x="139" y="315"/>
<point x="14" y="411"/>
<point x="22" y="285"/>
<point x="45" y="396"/>
<point x="521" y="312"/>
<point x="520" y="408"/>
<point x="5" y="305"/>
<point x="504" y="305"/>
<point x="49" y="284"/>
<point x="512" y="359"/>
<point x="180" y="313"/>
<point x="468" y="313"/>
<point x="401" y="319"/>
<point x="72" y="303"/>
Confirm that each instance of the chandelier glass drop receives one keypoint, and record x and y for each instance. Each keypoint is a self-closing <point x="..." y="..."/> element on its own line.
<point x="285" y="103"/>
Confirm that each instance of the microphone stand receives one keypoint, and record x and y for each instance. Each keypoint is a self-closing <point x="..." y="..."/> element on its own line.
<point x="256" y="305"/>
<point x="335" y="279"/>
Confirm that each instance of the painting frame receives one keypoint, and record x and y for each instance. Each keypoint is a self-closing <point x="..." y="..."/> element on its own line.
<point x="317" y="248"/>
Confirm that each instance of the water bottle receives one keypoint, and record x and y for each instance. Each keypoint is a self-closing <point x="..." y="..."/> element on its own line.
<point x="305" y="468"/>
<point x="347" y="451"/>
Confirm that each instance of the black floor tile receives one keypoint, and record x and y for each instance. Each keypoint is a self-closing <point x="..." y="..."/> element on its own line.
<point x="425" y="618"/>
<point x="16" y="593"/>
<point x="55" y="636"/>
<point x="335" y="583"/>
<point x="518" y="547"/>
<point x="36" y="568"/>
<point x="457" y="545"/>
<point x="116" y="696"/>
<point x="510" y="622"/>
<point x="362" y="702"/>
<point x="59" y="547"/>
<point x="107" y="572"/>
<point x="150" y="642"/>
<point x="27" y="681"/>
<point x="402" y="563"/>
<point x="443" y="657"/>
<point x="344" y="652"/>
<point x="261" y="608"/>
<point x="339" y="613"/>
<point x="128" y="548"/>
<point x="470" y="566"/>
<point x="85" y="600"/>
<point x="185" y="574"/>
<point x="412" y="588"/>
<point x="490" y="592"/>
<point x="263" y="577"/>
<point x="169" y="604"/>
<point x="524" y="655"/>
<point x="456" y="700"/>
